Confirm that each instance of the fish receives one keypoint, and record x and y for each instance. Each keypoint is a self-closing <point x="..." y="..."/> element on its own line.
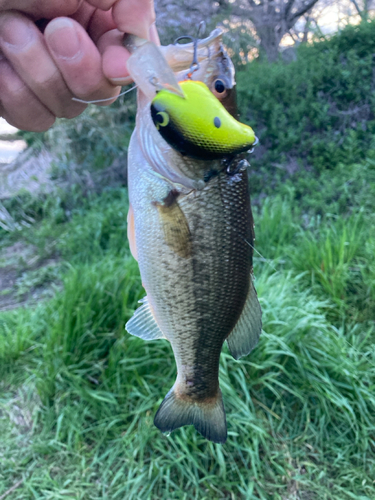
<point x="191" y="229"/>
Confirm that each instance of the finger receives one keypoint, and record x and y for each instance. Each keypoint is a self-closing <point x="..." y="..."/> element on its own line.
<point x="102" y="4"/>
<point x="95" y="21"/>
<point x="100" y="22"/>
<point x="83" y="14"/>
<point x="41" y="8"/>
<point x="78" y="60"/>
<point x="25" y="49"/>
<point x="130" y="16"/>
<point x="115" y="56"/>
<point x="19" y="106"/>
<point x="134" y="16"/>
<point x="153" y="34"/>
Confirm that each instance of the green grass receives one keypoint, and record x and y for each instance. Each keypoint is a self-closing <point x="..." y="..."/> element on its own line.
<point x="78" y="394"/>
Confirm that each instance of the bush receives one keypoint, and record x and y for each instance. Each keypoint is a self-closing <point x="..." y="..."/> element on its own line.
<point x="317" y="112"/>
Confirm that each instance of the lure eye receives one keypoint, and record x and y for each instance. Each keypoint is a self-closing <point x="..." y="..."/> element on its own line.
<point x="162" y="119"/>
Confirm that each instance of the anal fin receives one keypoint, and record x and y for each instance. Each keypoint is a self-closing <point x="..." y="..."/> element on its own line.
<point x="143" y="324"/>
<point x="245" y="335"/>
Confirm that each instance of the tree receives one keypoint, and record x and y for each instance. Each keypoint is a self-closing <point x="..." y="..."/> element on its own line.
<point x="363" y="7"/>
<point x="175" y="18"/>
<point x="267" y="20"/>
<point x="272" y="19"/>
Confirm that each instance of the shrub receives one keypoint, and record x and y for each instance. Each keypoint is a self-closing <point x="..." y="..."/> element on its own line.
<point x="316" y="112"/>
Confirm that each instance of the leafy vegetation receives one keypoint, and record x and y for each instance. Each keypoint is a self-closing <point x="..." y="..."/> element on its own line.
<point x="316" y="112"/>
<point x="78" y="394"/>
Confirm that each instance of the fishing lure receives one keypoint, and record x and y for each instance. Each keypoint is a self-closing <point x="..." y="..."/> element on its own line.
<point x="198" y="125"/>
<point x="187" y="115"/>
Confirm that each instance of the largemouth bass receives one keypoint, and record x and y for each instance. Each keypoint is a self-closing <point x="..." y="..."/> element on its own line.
<point x="190" y="227"/>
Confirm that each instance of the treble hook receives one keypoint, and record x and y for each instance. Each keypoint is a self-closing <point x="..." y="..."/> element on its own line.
<point x="195" y="63"/>
<point x="201" y="29"/>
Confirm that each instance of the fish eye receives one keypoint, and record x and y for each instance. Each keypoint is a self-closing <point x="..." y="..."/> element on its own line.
<point x="219" y="88"/>
<point x="162" y="118"/>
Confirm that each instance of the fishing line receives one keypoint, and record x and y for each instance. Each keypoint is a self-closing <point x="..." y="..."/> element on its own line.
<point x="255" y="250"/>
<point x="103" y="100"/>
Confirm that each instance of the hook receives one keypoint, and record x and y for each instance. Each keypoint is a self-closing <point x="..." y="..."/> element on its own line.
<point x="195" y="64"/>
<point x="201" y="29"/>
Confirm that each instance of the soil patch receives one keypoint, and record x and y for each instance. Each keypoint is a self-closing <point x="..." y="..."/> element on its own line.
<point x="25" y="277"/>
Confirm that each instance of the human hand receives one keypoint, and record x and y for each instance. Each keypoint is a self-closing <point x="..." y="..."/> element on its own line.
<point x="78" y="55"/>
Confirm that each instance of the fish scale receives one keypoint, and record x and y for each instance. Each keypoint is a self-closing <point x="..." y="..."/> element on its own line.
<point x="205" y="312"/>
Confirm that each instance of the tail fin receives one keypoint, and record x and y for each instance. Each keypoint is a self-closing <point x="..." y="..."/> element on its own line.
<point x="208" y="418"/>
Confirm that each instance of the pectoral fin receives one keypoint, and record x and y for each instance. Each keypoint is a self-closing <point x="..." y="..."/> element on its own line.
<point x="245" y="335"/>
<point x="175" y="226"/>
<point x="131" y="233"/>
<point x="143" y="323"/>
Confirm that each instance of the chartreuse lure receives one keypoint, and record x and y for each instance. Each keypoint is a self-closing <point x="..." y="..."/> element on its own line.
<point x="198" y="125"/>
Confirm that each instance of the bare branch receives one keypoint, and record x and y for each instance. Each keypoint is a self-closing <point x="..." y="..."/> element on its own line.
<point x="288" y="7"/>
<point x="294" y="37"/>
<point x="306" y="29"/>
<point x="271" y="19"/>
<point x="237" y="10"/>
<point x="302" y="11"/>
<point x="354" y="2"/>
<point x="357" y="7"/>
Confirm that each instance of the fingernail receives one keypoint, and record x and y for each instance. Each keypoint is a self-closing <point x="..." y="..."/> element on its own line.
<point x="126" y="80"/>
<point x="62" y="38"/>
<point x="16" y="34"/>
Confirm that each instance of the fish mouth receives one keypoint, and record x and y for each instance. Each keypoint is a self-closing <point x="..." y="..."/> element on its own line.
<point x="204" y="53"/>
<point x="175" y="89"/>
<point x="161" y="68"/>
<point x="180" y="55"/>
<point x="205" y="60"/>
<point x="148" y="67"/>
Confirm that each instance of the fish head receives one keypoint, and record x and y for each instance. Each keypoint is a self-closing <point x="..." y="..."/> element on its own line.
<point x="215" y="67"/>
<point x="200" y="127"/>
